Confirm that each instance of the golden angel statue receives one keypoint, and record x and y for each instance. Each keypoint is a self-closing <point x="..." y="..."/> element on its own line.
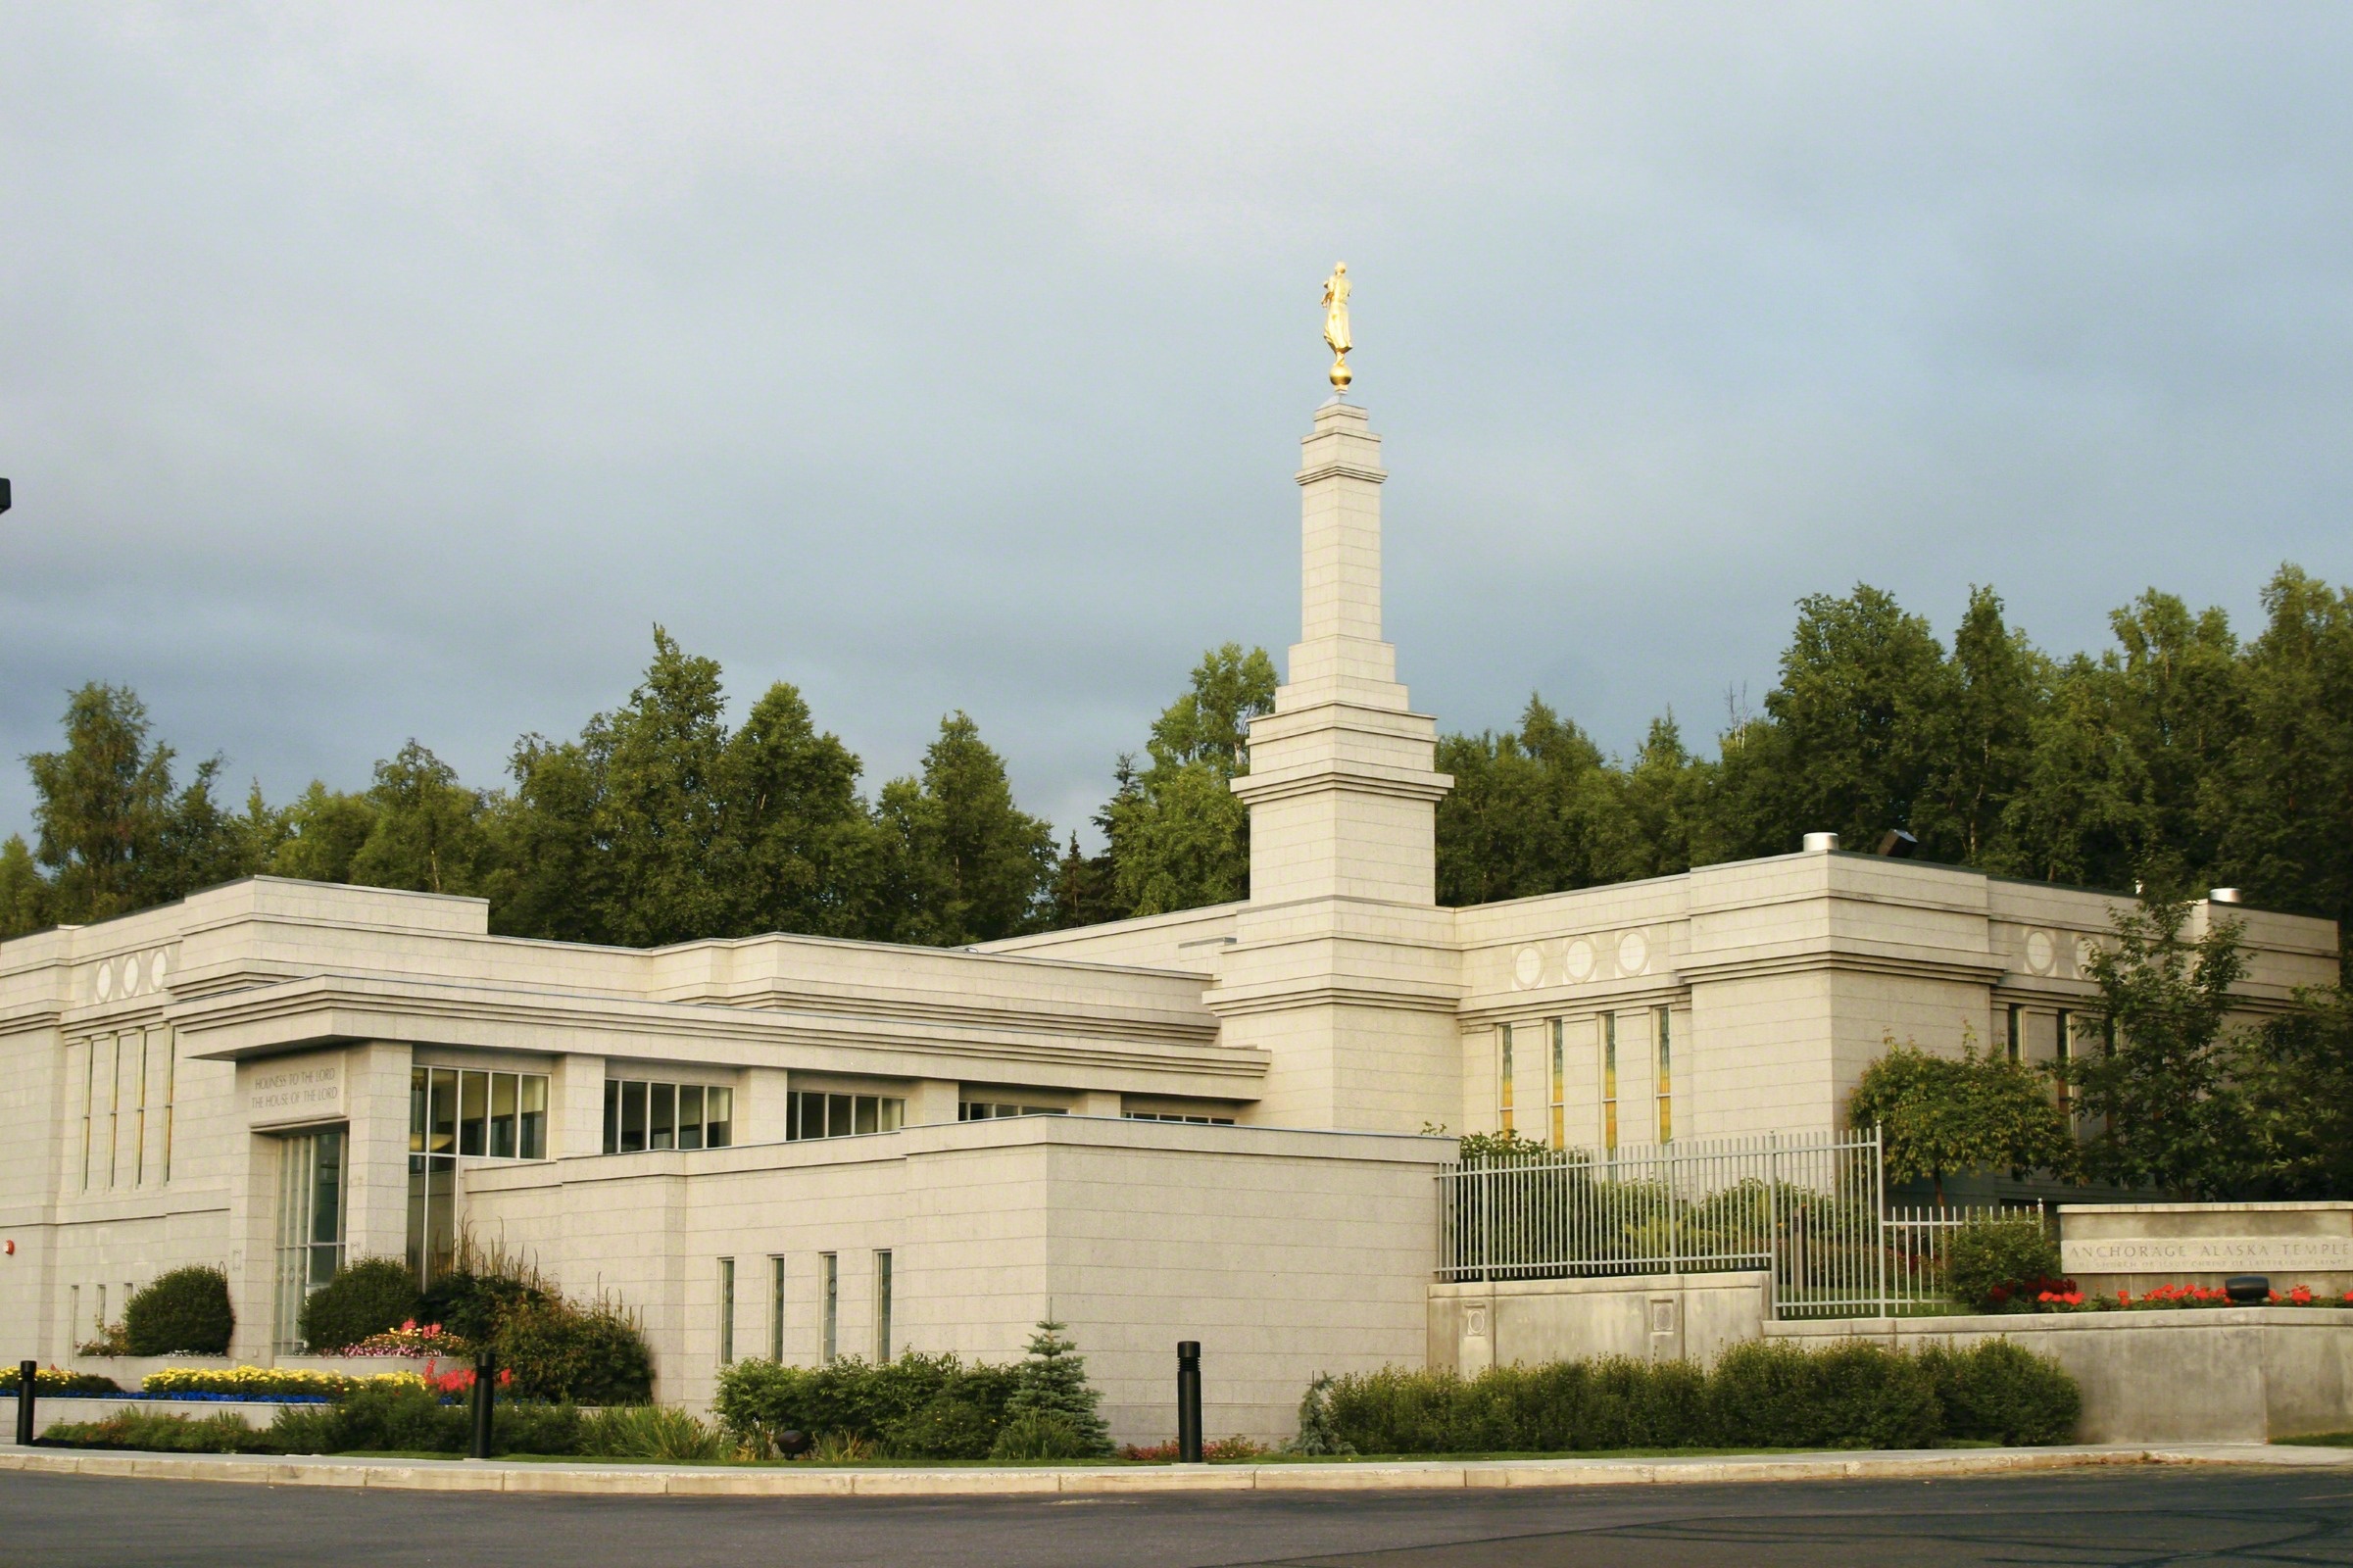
<point x="1336" y="324"/>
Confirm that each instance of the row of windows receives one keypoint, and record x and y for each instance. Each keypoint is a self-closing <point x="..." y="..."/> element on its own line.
<point x="990" y="1111"/>
<point x="482" y="1115"/>
<point x="1557" y="1099"/>
<point x="129" y="1082"/>
<point x="809" y="1113"/>
<point x="829" y="1306"/>
<point x="640" y="1115"/>
<point x="1173" y="1115"/>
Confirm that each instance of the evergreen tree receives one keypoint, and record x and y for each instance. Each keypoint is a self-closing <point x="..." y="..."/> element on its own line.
<point x="961" y="862"/>
<point x="1053" y="1383"/>
<point x="801" y="847"/>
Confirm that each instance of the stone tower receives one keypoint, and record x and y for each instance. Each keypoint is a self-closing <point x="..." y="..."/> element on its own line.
<point x="1342" y="966"/>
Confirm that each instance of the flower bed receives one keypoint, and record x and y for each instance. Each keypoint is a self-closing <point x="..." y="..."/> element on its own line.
<point x="52" y="1381"/>
<point x="278" y="1383"/>
<point x="410" y="1339"/>
<point x="2065" y="1295"/>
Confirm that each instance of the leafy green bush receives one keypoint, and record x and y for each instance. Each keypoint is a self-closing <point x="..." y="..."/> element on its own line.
<point x="1773" y="1394"/>
<point x="1043" y="1434"/>
<point x="916" y="1406"/>
<point x="185" y="1312"/>
<point x="164" y="1433"/>
<point x="1992" y="1258"/>
<point x="591" y="1355"/>
<point x="474" y="1298"/>
<point x="1996" y="1391"/>
<point x="651" y="1432"/>
<point x="1764" y="1394"/>
<point x="365" y="1298"/>
<point x="408" y="1417"/>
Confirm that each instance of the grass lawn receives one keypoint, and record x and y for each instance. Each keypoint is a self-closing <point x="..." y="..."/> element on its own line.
<point x="2323" y="1440"/>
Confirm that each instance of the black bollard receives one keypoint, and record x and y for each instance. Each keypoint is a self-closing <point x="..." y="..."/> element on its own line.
<point x="1189" y="1402"/>
<point x="28" y="1376"/>
<point x="486" y="1379"/>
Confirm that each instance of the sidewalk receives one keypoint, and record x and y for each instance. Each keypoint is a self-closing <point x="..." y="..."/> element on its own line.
<point x="795" y="1481"/>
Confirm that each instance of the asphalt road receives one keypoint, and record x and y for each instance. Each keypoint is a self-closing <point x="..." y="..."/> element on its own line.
<point x="2138" y="1516"/>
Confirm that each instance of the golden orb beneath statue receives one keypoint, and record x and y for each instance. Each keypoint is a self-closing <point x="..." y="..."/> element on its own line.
<point x="1340" y="374"/>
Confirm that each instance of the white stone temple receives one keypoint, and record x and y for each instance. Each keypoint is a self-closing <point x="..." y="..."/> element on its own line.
<point x="1219" y="1125"/>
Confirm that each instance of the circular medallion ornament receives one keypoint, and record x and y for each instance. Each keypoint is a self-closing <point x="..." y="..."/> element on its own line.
<point x="1528" y="967"/>
<point x="1634" y="953"/>
<point x="2039" y="951"/>
<point x="157" y="968"/>
<point x="105" y="985"/>
<point x="1580" y="960"/>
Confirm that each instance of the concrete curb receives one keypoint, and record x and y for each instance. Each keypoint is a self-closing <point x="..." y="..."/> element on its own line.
<point x="682" y="1481"/>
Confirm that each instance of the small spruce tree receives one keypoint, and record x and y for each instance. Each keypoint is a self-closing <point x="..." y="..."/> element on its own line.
<point x="1053" y="1382"/>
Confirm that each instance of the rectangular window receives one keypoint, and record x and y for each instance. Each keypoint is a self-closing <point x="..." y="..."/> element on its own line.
<point x="2066" y="1053"/>
<point x="726" y="1311"/>
<point x="1609" y="1082"/>
<point x="473" y="1113"/>
<point x="72" y="1317"/>
<point x="992" y="1110"/>
<point x="640" y="1115"/>
<point x="882" y="1307"/>
<point x="503" y="1111"/>
<point x="311" y="1219"/>
<point x="830" y="1285"/>
<point x="138" y="1167"/>
<point x="1666" y="1079"/>
<point x="89" y="1106"/>
<point x="532" y="1142"/>
<point x="809" y="1114"/>
<point x="2014" y="1030"/>
<point x="171" y="1093"/>
<point x="98" y="1325"/>
<point x="775" y="1308"/>
<point x="1504" y="1082"/>
<point x="1558" y="1079"/>
<point x="1167" y="1115"/>
<point x="114" y="1106"/>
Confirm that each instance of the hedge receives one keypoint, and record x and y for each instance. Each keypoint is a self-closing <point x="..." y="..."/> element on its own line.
<point x="1761" y="1394"/>
<point x="185" y="1312"/>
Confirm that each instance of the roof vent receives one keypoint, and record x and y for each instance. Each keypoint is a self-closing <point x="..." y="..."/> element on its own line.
<point x="1820" y="842"/>
<point x="2226" y="896"/>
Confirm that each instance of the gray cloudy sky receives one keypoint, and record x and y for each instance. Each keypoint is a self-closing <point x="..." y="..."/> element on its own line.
<point x="387" y="370"/>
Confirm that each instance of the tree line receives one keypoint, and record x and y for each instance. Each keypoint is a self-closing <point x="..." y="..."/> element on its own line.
<point x="2178" y="757"/>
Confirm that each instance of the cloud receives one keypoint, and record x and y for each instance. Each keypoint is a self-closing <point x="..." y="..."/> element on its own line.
<point x="386" y="372"/>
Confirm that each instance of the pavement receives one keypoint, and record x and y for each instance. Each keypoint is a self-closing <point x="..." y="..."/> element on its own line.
<point x="2296" y="1509"/>
<point x="610" y="1478"/>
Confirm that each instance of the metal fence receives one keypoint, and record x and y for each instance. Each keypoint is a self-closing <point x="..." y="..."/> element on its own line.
<point x="1810" y="1213"/>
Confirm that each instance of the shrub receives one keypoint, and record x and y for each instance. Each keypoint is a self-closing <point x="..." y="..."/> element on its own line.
<point x="1996" y="1391"/>
<point x="1994" y="1259"/>
<point x="364" y="1297"/>
<point x="1040" y="1434"/>
<point x="185" y="1312"/>
<point x="651" y="1432"/>
<point x="590" y="1355"/>
<point x="1317" y="1436"/>
<point x="161" y="1432"/>
<point x="57" y="1380"/>
<point x="915" y="1406"/>
<point x="473" y="1300"/>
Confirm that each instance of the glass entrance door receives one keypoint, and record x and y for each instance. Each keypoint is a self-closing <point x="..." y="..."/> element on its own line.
<point x="310" y="1224"/>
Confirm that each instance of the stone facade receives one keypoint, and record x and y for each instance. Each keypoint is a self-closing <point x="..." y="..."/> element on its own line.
<point x="165" y="1075"/>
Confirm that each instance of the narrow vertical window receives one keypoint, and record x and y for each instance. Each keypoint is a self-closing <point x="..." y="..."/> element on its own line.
<point x="138" y="1166"/>
<point x="533" y="1131"/>
<point x="170" y="1094"/>
<point x="503" y="1095"/>
<point x="2066" y="1053"/>
<point x="690" y="1116"/>
<point x="775" y="1308"/>
<point x="1559" y="1081"/>
<point x="473" y="1113"/>
<point x="98" y="1326"/>
<point x="719" y="1117"/>
<point x="2013" y="1029"/>
<point x="73" y="1315"/>
<point x="1609" y="1082"/>
<point x="1666" y="1078"/>
<point x="829" y="1278"/>
<point x="613" y="1115"/>
<point x="726" y="1311"/>
<point x="1504" y="1080"/>
<point x="89" y="1107"/>
<point x="114" y="1110"/>
<point x="882" y="1307"/>
<point x="665" y="1117"/>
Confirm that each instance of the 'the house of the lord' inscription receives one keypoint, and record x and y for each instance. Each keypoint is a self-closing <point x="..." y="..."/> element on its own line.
<point x="304" y="1092"/>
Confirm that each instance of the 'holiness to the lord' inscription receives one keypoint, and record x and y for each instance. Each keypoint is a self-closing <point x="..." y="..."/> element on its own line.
<point x="295" y="1093"/>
